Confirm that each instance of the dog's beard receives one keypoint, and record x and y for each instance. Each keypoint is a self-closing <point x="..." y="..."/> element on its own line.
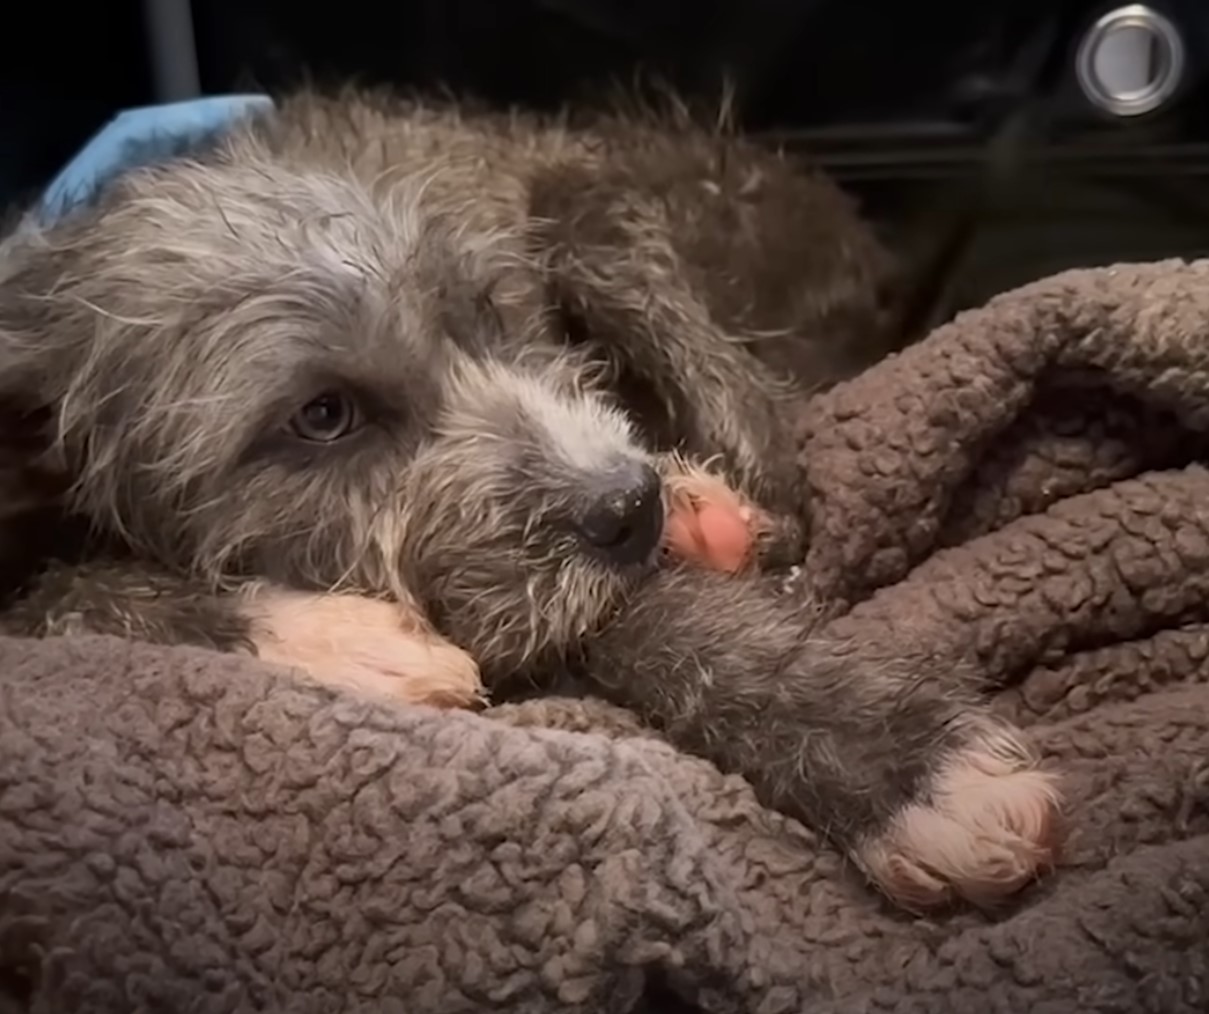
<point x="495" y="567"/>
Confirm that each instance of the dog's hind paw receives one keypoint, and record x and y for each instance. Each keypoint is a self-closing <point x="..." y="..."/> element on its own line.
<point x="709" y="522"/>
<point x="985" y="827"/>
<point x="364" y="644"/>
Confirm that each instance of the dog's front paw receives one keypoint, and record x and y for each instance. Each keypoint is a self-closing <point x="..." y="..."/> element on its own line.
<point x="362" y="643"/>
<point x="985" y="825"/>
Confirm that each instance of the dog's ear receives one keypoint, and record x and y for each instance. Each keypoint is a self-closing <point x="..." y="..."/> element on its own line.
<point x="41" y="344"/>
<point x="583" y="229"/>
<point x="47" y="326"/>
<point x="36" y="361"/>
<point x="33" y="355"/>
<point x="34" y="525"/>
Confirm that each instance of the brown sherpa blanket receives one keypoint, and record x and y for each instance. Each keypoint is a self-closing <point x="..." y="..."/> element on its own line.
<point x="183" y="832"/>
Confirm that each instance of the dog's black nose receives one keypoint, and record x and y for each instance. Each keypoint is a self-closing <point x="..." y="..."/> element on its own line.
<point x="625" y="522"/>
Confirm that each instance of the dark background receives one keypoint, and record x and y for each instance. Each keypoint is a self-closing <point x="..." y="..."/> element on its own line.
<point x="954" y="122"/>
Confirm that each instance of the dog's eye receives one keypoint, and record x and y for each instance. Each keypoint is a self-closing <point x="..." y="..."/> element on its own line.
<point x="329" y="417"/>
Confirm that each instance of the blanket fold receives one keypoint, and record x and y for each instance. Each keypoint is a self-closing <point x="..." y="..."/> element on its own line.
<point x="1021" y="492"/>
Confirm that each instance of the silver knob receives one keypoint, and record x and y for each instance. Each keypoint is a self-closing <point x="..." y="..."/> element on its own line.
<point x="1130" y="61"/>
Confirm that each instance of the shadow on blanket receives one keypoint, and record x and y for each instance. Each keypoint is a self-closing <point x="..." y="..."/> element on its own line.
<point x="187" y="832"/>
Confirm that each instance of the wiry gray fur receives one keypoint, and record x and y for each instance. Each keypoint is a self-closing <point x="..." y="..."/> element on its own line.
<point x="522" y="310"/>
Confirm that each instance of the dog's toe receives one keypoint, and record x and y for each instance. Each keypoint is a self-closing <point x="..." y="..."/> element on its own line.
<point x="364" y="644"/>
<point x="987" y="826"/>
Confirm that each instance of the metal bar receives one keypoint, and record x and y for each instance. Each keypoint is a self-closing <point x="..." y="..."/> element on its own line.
<point x="173" y="49"/>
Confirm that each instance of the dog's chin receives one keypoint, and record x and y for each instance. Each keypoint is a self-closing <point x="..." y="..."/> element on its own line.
<point x="572" y="609"/>
<point x="593" y="596"/>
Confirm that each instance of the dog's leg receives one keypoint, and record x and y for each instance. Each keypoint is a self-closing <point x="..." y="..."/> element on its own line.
<point x="892" y="755"/>
<point x="617" y="276"/>
<point x="366" y="644"/>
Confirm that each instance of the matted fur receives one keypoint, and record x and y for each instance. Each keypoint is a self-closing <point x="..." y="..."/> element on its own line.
<point x="521" y="311"/>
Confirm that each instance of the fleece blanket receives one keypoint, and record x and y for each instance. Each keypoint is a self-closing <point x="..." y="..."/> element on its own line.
<point x="181" y="831"/>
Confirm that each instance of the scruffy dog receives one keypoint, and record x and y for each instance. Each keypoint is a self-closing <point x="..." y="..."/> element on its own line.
<point x="400" y="393"/>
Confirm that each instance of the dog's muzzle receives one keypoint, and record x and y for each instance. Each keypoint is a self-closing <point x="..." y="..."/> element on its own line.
<point x="623" y="522"/>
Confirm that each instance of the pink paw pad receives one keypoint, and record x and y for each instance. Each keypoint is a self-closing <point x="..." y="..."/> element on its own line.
<point x="709" y="522"/>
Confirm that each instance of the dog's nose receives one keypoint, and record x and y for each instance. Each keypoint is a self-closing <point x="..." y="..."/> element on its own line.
<point x="625" y="522"/>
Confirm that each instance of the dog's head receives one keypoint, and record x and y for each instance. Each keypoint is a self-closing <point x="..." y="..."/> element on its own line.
<point x="254" y="371"/>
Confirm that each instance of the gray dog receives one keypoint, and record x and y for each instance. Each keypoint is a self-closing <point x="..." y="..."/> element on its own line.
<point x="401" y="393"/>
